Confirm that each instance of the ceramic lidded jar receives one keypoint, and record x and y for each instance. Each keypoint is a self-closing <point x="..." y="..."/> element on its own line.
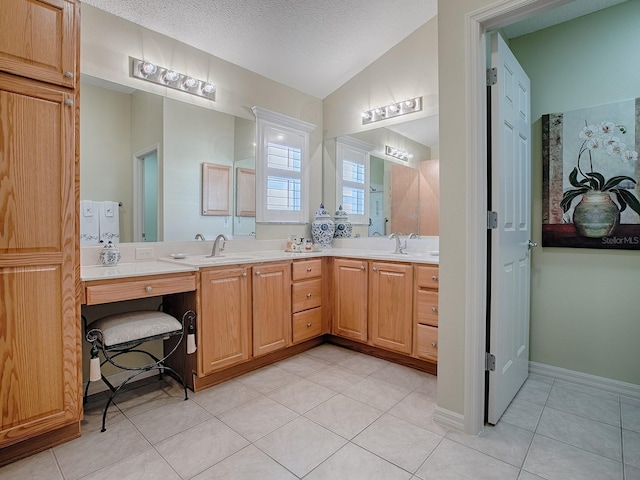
<point x="322" y="227"/>
<point x="343" y="225"/>
<point x="109" y="255"/>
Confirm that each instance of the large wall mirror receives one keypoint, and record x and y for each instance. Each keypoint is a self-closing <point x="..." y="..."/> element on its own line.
<point x="403" y="194"/>
<point x="146" y="151"/>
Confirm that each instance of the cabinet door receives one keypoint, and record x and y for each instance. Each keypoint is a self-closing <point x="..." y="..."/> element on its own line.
<point x="350" y="304"/>
<point x="271" y="307"/>
<point x="391" y="306"/>
<point x="38" y="39"/>
<point x="39" y="317"/>
<point x="225" y="324"/>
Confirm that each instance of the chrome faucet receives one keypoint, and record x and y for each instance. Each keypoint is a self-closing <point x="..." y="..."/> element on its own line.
<point x="413" y="235"/>
<point x="218" y="245"/>
<point x="199" y="236"/>
<point x="399" y="247"/>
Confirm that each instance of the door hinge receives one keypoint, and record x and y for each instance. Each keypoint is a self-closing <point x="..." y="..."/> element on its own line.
<point x="492" y="220"/>
<point x="492" y="76"/>
<point x="489" y="362"/>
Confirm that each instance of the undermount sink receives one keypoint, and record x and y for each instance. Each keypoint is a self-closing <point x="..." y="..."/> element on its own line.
<point x="200" y="260"/>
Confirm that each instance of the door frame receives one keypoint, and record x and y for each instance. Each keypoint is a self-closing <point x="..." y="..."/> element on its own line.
<point x="477" y="23"/>
<point x="138" y="158"/>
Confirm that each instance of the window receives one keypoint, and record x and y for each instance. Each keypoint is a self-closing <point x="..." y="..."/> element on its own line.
<point x="352" y="178"/>
<point x="282" y="168"/>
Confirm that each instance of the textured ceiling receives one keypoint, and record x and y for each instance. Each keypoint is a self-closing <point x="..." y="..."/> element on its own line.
<point x="314" y="46"/>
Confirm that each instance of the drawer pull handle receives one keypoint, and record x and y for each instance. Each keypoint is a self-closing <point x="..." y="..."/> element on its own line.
<point x="308" y="295"/>
<point x="434" y="278"/>
<point x="309" y="269"/>
<point x="434" y="309"/>
<point x="257" y="272"/>
<point x="68" y="74"/>
<point x="361" y="267"/>
<point x="149" y="288"/>
<point x="68" y="102"/>
<point x="244" y="274"/>
<point x="375" y="269"/>
<point x="309" y="325"/>
<point x="434" y="344"/>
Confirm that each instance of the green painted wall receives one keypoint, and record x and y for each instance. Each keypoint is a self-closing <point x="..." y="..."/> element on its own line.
<point x="584" y="302"/>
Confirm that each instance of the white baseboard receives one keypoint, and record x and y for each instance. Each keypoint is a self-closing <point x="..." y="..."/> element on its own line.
<point x="448" y="419"/>
<point x="603" y="384"/>
<point x="116" y="379"/>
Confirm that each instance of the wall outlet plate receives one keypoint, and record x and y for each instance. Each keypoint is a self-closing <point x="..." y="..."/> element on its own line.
<point x="144" y="253"/>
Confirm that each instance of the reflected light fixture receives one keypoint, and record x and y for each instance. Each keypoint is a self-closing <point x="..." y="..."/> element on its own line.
<point x="392" y="110"/>
<point x="397" y="153"/>
<point x="168" y="77"/>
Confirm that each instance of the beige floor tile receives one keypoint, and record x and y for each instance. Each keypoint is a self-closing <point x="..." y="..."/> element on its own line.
<point x="376" y="393"/>
<point x="605" y="409"/>
<point x="555" y="460"/>
<point x="523" y="414"/>
<point x="225" y="396"/>
<point x="96" y="450"/>
<point x="249" y="463"/>
<point x="631" y="444"/>
<point x="300" y="445"/>
<point x="302" y="365"/>
<point x="453" y="461"/>
<point x="146" y="465"/>
<point x="343" y="415"/>
<point x="399" y="442"/>
<point x="355" y="463"/>
<point x="418" y="408"/>
<point x="363" y="364"/>
<point x="152" y="393"/>
<point x="331" y="354"/>
<point x="93" y="410"/>
<point x="258" y="417"/>
<point x="405" y="377"/>
<point x="335" y="378"/>
<point x="504" y="442"/>
<point x="631" y="472"/>
<point x="528" y="476"/>
<point x="534" y="391"/>
<point x="165" y="421"/>
<point x="41" y="466"/>
<point x="198" y="448"/>
<point x="301" y="396"/>
<point x="268" y="378"/>
<point x="630" y="415"/>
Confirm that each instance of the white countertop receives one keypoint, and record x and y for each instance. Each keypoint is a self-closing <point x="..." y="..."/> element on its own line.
<point x="135" y="269"/>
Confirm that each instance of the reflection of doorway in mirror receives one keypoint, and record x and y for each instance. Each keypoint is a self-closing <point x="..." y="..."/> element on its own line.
<point x="376" y="211"/>
<point x="146" y="199"/>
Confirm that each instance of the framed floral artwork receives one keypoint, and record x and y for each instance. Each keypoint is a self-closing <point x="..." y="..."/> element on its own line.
<point x="590" y="191"/>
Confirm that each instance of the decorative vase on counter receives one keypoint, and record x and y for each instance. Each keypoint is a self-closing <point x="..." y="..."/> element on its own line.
<point x="343" y="225"/>
<point x="322" y="228"/>
<point x="109" y="255"/>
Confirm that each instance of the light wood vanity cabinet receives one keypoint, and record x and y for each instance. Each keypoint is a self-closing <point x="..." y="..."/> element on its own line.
<point x="224" y="333"/>
<point x="426" y="313"/>
<point x="271" y="307"/>
<point x="350" y="290"/>
<point x="391" y="306"/>
<point x="306" y="299"/>
<point x="40" y="392"/>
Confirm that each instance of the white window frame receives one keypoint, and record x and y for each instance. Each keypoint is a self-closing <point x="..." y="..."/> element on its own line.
<point x="348" y="148"/>
<point x="292" y="132"/>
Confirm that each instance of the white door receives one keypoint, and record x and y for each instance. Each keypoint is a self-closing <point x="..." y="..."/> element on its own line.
<point x="509" y="247"/>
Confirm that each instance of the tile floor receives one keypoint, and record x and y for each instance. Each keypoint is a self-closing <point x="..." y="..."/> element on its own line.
<point x="333" y="414"/>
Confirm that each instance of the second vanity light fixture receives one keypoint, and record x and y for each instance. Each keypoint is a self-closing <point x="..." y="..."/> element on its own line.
<point x="397" y="153"/>
<point x="168" y="77"/>
<point x="392" y="110"/>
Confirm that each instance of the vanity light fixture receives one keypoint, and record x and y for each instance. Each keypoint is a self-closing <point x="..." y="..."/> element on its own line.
<point x="168" y="77"/>
<point x="392" y="110"/>
<point x="397" y="153"/>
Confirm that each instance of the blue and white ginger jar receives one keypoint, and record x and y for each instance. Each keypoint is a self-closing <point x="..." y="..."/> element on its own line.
<point x="109" y="255"/>
<point x="343" y="225"/>
<point x="322" y="227"/>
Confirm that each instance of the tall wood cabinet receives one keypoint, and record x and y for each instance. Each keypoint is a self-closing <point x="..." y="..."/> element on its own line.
<point x="40" y="393"/>
<point x="350" y="298"/>
<point x="271" y="307"/>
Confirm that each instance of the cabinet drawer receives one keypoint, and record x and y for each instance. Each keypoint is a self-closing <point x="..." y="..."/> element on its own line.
<point x="307" y="324"/>
<point x="130" y="289"/>
<point x="305" y="295"/>
<point x="427" y="342"/>
<point x="306" y="269"/>
<point x="427" y="307"/>
<point x="427" y="276"/>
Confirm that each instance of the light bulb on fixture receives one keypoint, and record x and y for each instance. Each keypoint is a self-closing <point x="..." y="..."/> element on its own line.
<point x="148" y="68"/>
<point x="190" y="82"/>
<point x="393" y="108"/>
<point x="171" y="76"/>
<point x="378" y="111"/>
<point x="208" y="88"/>
<point x="409" y="103"/>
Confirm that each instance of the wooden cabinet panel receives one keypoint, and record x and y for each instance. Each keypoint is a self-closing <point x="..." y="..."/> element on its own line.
<point x="305" y="269"/>
<point x="271" y="307"/>
<point x="427" y="276"/>
<point x="306" y="295"/>
<point x="224" y="327"/>
<point x="427" y="342"/>
<point x="245" y="192"/>
<point x="391" y="306"/>
<point x="153" y="286"/>
<point x="216" y="189"/>
<point x="427" y="307"/>
<point x="39" y="39"/>
<point x="307" y="324"/>
<point x="350" y="298"/>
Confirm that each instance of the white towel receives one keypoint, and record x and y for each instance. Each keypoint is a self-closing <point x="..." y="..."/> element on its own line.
<point x="89" y="223"/>
<point x="109" y="221"/>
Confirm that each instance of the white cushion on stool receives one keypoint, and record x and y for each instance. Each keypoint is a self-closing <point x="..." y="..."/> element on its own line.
<point x="132" y="326"/>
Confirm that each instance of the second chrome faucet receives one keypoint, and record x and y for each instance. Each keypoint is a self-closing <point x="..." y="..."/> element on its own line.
<point x="400" y="248"/>
<point x="218" y="245"/>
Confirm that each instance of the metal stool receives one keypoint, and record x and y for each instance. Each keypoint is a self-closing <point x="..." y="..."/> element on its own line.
<point x="122" y="333"/>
